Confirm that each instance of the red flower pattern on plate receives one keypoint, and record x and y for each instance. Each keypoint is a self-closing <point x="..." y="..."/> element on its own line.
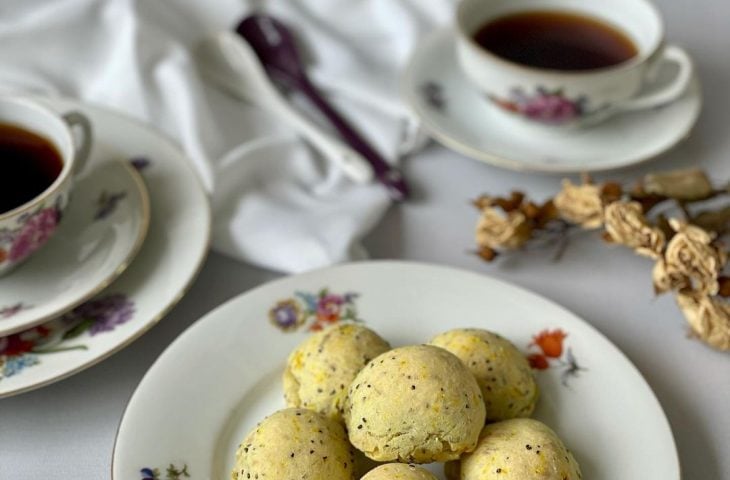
<point x="550" y="344"/>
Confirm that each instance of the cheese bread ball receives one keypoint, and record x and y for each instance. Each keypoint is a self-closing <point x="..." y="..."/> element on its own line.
<point x="293" y="441"/>
<point x="321" y="368"/>
<point x="517" y="449"/>
<point x="416" y="404"/>
<point x="399" y="471"/>
<point x="502" y="371"/>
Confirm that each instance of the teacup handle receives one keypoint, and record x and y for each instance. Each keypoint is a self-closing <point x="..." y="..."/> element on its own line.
<point x="83" y="146"/>
<point x="671" y="92"/>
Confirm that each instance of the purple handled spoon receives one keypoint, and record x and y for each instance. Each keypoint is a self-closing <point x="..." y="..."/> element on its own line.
<point x="276" y="48"/>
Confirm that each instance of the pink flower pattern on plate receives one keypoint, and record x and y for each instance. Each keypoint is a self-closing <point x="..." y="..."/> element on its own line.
<point x="551" y="107"/>
<point x="34" y="233"/>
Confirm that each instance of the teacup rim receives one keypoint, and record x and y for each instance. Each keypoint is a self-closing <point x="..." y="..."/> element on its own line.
<point x="633" y="62"/>
<point x="67" y="164"/>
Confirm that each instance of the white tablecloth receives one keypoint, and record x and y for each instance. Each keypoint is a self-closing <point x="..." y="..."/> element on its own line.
<point x="67" y="430"/>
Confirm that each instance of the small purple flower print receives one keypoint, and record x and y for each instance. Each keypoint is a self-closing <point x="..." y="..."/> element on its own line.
<point x="103" y="314"/>
<point x="150" y="474"/>
<point x="107" y="203"/>
<point x="286" y="315"/>
<point x="7" y="312"/>
<point x="140" y="163"/>
<point x="36" y="231"/>
<point x="171" y="473"/>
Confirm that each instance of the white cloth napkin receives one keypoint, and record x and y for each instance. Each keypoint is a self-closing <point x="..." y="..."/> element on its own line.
<point x="277" y="204"/>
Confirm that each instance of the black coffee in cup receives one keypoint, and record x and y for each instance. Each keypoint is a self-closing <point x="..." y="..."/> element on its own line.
<point x="29" y="164"/>
<point x="556" y="40"/>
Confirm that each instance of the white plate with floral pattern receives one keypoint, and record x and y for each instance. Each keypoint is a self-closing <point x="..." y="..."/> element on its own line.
<point x="462" y="119"/>
<point x="223" y="375"/>
<point x="170" y="258"/>
<point x="102" y="230"/>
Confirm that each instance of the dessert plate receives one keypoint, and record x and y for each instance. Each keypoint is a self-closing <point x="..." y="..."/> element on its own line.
<point x="462" y="119"/>
<point x="170" y="258"/>
<point x="103" y="229"/>
<point x="223" y="375"/>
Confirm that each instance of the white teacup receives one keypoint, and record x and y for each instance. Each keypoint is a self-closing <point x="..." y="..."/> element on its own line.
<point x="560" y="97"/>
<point x="27" y="227"/>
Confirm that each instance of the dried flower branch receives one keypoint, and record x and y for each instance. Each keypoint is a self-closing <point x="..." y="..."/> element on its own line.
<point x="689" y="257"/>
<point x="508" y="223"/>
<point x="627" y="225"/>
<point x="691" y="184"/>
<point x="709" y="318"/>
<point x="580" y="204"/>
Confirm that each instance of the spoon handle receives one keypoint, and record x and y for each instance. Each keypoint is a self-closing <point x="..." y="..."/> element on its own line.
<point x="348" y="159"/>
<point x="388" y="175"/>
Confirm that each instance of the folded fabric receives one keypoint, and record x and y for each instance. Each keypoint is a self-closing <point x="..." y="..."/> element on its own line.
<point x="277" y="203"/>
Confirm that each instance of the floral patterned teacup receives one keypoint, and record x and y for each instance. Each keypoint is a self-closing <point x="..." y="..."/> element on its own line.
<point x="561" y="97"/>
<point x="26" y="228"/>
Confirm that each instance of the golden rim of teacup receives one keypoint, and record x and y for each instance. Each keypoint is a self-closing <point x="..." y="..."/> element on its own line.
<point x="66" y="170"/>
<point x="628" y="64"/>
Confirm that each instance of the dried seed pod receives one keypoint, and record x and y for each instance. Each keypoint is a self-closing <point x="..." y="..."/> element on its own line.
<point x="686" y="184"/>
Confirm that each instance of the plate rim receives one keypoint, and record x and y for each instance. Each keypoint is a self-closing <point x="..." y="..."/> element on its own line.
<point x="493" y="159"/>
<point x="114" y="274"/>
<point x="200" y="262"/>
<point x="212" y="313"/>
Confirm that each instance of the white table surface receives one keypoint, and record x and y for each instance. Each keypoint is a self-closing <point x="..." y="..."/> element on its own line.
<point x="67" y="430"/>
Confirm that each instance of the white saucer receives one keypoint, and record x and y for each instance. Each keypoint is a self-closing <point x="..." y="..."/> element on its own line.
<point x="101" y="232"/>
<point x="223" y="374"/>
<point x="171" y="256"/>
<point x="459" y="117"/>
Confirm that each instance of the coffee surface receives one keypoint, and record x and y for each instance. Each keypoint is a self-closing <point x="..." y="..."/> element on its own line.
<point x="556" y="41"/>
<point x="29" y="164"/>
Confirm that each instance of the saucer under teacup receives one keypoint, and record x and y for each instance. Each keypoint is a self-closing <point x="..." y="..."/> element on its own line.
<point x="103" y="228"/>
<point x="169" y="259"/>
<point x="458" y="116"/>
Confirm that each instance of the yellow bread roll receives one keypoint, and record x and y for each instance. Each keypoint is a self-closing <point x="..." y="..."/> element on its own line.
<point x="399" y="471"/>
<point x="293" y="441"/>
<point x="415" y="404"/>
<point x="502" y="371"/>
<point x="519" y="449"/>
<point x="321" y="368"/>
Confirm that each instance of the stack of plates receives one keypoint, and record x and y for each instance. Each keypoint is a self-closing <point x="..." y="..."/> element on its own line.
<point x="134" y="236"/>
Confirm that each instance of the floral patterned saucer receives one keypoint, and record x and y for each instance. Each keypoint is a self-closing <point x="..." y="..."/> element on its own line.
<point x="223" y="375"/>
<point x="462" y="119"/>
<point x="102" y="230"/>
<point x="170" y="258"/>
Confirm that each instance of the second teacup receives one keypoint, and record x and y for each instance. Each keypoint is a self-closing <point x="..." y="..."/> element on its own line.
<point x="567" y="62"/>
<point x="40" y="157"/>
